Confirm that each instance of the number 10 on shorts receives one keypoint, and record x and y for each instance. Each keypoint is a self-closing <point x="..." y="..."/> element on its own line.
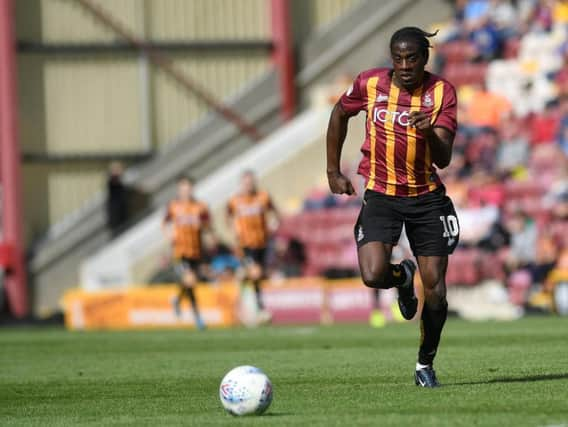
<point x="451" y="226"/>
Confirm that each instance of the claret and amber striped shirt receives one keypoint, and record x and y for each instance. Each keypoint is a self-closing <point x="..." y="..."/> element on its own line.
<point x="396" y="159"/>
<point x="249" y="215"/>
<point x="189" y="218"/>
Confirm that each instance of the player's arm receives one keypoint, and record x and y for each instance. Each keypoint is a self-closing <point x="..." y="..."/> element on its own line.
<point x="336" y="133"/>
<point x="439" y="131"/>
<point x="167" y="224"/>
<point x="439" y="139"/>
<point x="229" y="216"/>
<point x="205" y="219"/>
<point x="274" y="213"/>
<point x="206" y="222"/>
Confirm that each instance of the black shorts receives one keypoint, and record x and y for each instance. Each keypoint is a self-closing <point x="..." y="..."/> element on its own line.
<point x="187" y="265"/>
<point x="254" y="255"/>
<point x="431" y="222"/>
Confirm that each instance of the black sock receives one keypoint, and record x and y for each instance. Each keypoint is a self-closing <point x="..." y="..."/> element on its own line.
<point x="258" y="292"/>
<point x="191" y="296"/>
<point x="397" y="274"/>
<point x="376" y="299"/>
<point x="431" y="326"/>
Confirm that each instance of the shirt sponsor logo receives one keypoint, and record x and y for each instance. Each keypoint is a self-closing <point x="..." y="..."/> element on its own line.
<point x="188" y="220"/>
<point x="249" y="210"/>
<point x="383" y="115"/>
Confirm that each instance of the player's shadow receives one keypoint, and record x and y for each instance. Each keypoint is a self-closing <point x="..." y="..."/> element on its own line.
<point x="527" y="379"/>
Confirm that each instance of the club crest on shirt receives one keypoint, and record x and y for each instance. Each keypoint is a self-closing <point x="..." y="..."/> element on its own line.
<point x="381" y="97"/>
<point x="427" y="101"/>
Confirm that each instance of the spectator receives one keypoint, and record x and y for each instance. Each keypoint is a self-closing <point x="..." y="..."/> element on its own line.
<point x="505" y="18"/>
<point x="117" y="199"/>
<point x="287" y="258"/>
<point x="560" y="12"/>
<point x="476" y="14"/>
<point x="223" y="264"/>
<point x="513" y="152"/>
<point x="562" y="134"/>
<point x="523" y="231"/>
<point x="487" y="110"/>
<point x="476" y="223"/>
<point x="545" y="259"/>
<point x="544" y="126"/>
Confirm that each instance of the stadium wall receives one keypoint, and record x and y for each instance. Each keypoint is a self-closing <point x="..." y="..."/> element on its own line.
<point x="85" y="104"/>
<point x="55" y="266"/>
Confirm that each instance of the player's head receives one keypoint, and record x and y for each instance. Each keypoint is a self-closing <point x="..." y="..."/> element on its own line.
<point x="184" y="188"/>
<point x="248" y="182"/>
<point x="409" y="48"/>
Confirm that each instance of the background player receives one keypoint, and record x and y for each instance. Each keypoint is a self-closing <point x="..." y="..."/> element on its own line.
<point x="185" y="221"/>
<point x="411" y="123"/>
<point x="248" y="213"/>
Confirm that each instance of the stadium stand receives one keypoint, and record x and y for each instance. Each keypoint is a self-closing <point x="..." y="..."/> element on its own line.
<point x="508" y="176"/>
<point x="324" y="54"/>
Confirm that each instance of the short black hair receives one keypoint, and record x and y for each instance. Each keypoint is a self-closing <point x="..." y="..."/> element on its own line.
<point x="413" y="35"/>
<point x="185" y="178"/>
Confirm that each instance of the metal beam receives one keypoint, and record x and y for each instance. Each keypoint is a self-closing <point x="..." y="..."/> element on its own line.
<point x="167" y="65"/>
<point x="10" y="174"/>
<point x="282" y="55"/>
<point x="86" y="158"/>
<point x="217" y="46"/>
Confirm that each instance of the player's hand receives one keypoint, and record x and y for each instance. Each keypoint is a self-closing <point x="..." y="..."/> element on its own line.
<point x="339" y="184"/>
<point x="420" y="120"/>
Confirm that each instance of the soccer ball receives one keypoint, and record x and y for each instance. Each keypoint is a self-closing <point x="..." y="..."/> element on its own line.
<point x="245" y="390"/>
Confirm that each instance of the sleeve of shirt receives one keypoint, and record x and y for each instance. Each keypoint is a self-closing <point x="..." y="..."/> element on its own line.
<point x="205" y="214"/>
<point x="168" y="215"/>
<point x="353" y="100"/>
<point x="268" y="201"/>
<point x="448" y="113"/>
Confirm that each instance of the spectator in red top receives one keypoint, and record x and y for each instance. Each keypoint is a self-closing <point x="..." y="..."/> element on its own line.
<point x="544" y="127"/>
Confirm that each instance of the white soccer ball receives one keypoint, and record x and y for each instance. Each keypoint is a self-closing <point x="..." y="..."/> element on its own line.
<point x="245" y="390"/>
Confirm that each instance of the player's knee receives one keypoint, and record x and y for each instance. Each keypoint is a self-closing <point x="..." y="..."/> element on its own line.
<point x="431" y="277"/>
<point x="435" y="296"/>
<point x="255" y="272"/>
<point x="374" y="276"/>
<point x="189" y="280"/>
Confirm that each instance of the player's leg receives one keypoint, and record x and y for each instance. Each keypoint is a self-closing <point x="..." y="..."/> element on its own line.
<point x="433" y="232"/>
<point x="254" y="260"/>
<point x="378" y="272"/>
<point x="189" y="280"/>
<point x="434" y="314"/>
<point x="377" y="230"/>
<point x="255" y="273"/>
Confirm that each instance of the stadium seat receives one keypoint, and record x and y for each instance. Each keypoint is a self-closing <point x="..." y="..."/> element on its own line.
<point x="457" y="52"/>
<point x="466" y="73"/>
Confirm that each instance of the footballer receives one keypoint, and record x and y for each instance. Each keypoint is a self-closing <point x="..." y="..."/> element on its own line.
<point x="247" y="213"/>
<point x="410" y="129"/>
<point x="184" y="224"/>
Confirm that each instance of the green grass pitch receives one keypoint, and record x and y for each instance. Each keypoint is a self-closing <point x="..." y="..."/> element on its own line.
<point x="494" y="374"/>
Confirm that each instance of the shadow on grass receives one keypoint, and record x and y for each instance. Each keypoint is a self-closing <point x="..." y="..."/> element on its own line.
<point x="276" y="414"/>
<point x="527" y="379"/>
